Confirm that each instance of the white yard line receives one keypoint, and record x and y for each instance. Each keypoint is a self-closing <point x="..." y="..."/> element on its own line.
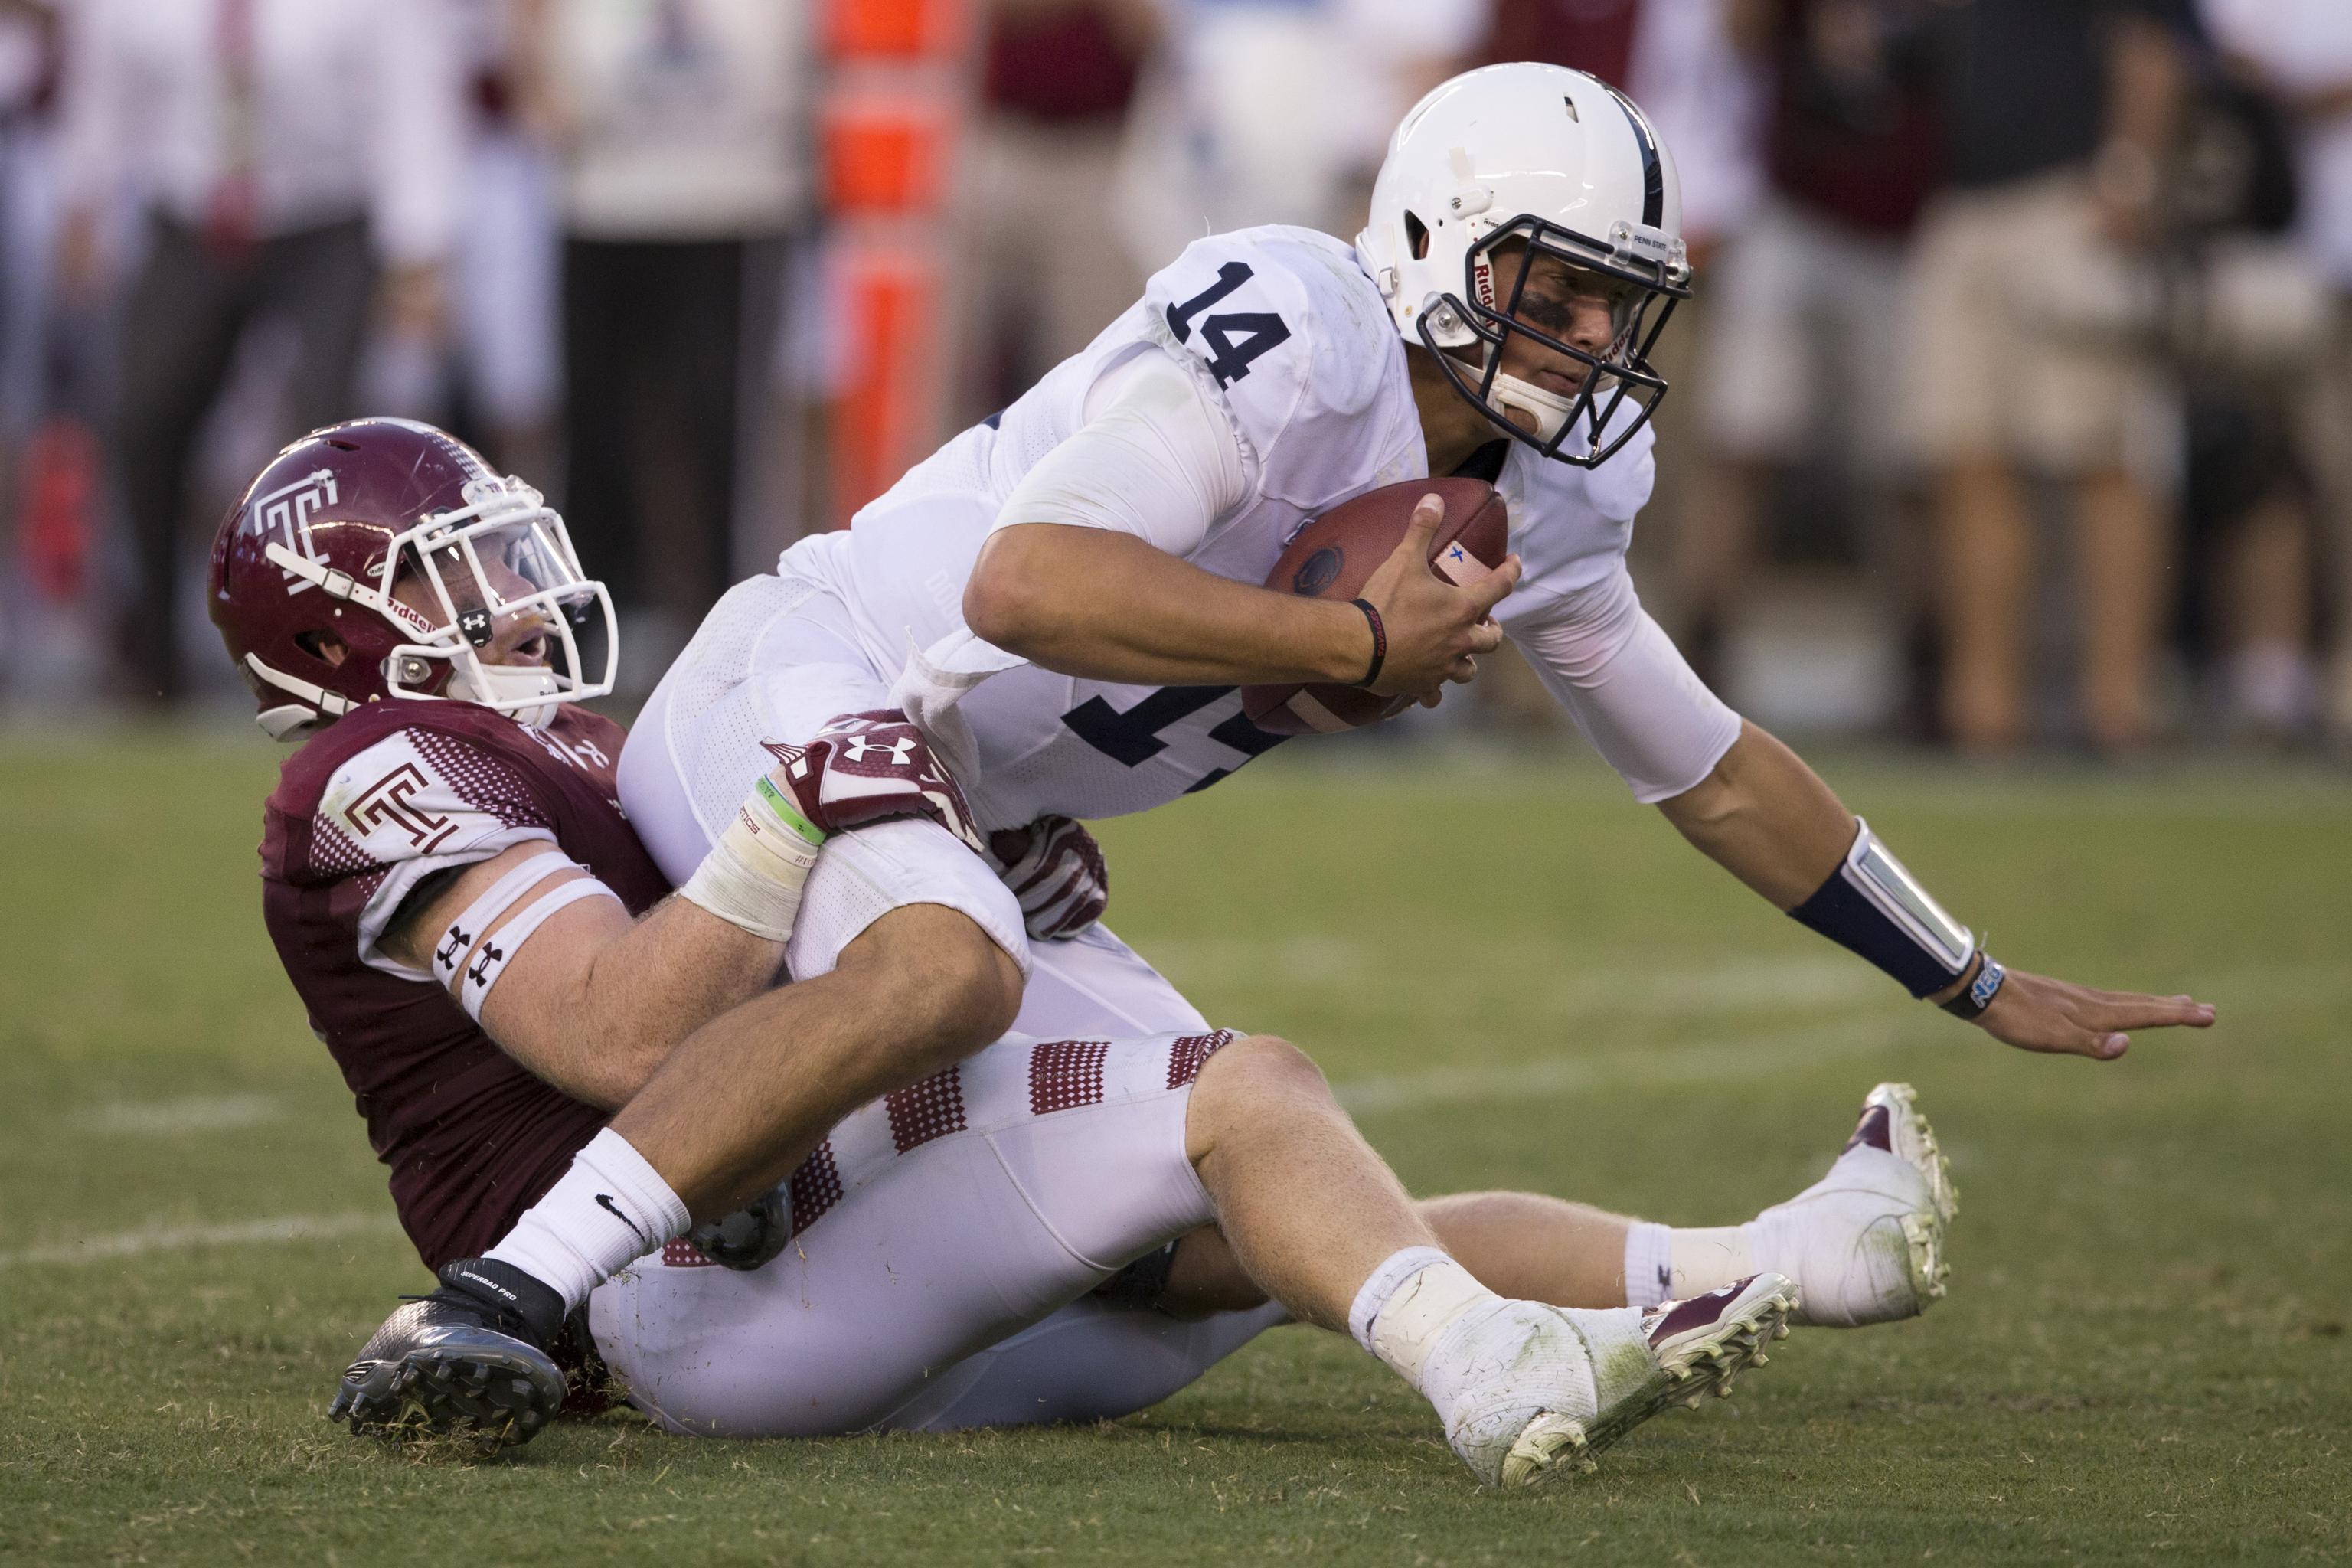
<point x="280" y="1229"/>
<point x="197" y="1113"/>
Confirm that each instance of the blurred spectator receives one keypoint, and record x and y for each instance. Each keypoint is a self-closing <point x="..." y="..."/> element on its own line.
<point x="46" y="559"/>
<point x="1059" y="77"/>
<point x="1705" y="95"/>
<point x="2303" y="51"/>
<point x="1805" y="324"/>
<point x="1277" y="112"/>
<point x="2032" y="352"/>
<point x="681" y="133"/>
<point x="282" y="150"/>
<point x="27" y="86"/>
<point x="494" y="377"/>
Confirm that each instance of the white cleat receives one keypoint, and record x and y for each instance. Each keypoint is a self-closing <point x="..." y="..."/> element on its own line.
<point x="1865" y="1242"/>
<point x="1696" y="1347"/>
<point x="1567" y="1383"/>
<point x="1516" y="1373"/>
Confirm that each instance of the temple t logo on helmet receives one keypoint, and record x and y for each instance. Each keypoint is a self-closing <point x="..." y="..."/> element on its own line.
<point x="383" y="559"/>
<point x="1517" y="174"/>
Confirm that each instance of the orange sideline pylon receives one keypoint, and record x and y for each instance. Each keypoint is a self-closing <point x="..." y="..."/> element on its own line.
<point x="892" y="125"/>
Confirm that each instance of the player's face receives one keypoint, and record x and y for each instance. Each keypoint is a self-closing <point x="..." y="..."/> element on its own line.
<point x="1583" y="310"/>
<point x="516" y="637"/>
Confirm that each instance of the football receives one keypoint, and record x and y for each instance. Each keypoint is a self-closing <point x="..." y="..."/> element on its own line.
<point x="1335" y="555"/>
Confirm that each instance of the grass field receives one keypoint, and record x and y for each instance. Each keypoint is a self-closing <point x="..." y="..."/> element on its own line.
<point x="1516" y="978"/>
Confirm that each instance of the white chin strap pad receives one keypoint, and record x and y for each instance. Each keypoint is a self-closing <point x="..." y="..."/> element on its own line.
<point x="1550" y="408"/>
<point x="510" y="687"/>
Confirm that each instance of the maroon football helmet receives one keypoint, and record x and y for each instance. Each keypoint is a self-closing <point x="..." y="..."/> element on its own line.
<point x="310" y="556"/>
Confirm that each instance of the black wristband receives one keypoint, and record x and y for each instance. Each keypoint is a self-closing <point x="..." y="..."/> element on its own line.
<point x="1379" y="641"/>
<point x="1983" y="987"/>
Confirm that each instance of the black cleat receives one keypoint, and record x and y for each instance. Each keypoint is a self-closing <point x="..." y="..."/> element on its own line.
<point x="466" y="1360"/>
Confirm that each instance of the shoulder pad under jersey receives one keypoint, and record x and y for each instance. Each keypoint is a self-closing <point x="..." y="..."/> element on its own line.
<point x="413" y="798"/>
<point x="1293" y="334"/>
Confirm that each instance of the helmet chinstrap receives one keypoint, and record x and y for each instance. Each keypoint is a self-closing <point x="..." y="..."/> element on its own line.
<point x="1626" y="364"/>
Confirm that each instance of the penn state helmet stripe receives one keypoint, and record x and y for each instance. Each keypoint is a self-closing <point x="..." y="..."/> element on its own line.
<point x="1654" y="171"/>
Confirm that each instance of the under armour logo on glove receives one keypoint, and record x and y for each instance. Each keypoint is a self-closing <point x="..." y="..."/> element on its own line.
<point x="1055" y="868"/>
<point x="900" y="752"/>
<point x="870" y="767"/>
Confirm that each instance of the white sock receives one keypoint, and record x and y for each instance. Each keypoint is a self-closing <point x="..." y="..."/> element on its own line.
<point x="1649" y="1264"/>
<point x="1407" y="1303"/>
<point x="1665" y="1264"/>
<point x="609" y="1210"/>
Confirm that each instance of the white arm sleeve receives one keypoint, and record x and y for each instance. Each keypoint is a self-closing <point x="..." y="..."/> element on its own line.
<point x="1155" y="459"/>
<point x="1629" y="689"/>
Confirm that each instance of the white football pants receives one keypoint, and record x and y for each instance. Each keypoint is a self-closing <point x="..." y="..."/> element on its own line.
<point x="945" y="1241"/>
<point x="946" y="1288"/>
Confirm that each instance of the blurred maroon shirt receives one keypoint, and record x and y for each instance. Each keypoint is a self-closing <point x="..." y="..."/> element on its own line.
<point x="1058" y="66"/>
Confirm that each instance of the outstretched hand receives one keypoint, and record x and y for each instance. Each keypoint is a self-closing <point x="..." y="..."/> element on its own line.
<point x="1435" y="630"/>
<point x="2035" y="1013"/>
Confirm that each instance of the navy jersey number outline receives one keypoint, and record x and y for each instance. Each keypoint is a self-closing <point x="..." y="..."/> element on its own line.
<point x="1233" y="338"/>
<point x="1131" y="736"/>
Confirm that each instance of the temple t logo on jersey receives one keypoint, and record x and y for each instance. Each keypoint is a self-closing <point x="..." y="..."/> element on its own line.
<point x="389" y="803"/>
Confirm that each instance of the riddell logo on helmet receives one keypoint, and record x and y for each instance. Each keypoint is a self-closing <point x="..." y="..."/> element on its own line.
<point x="1482" y="282"/>
<point x="288" y="510"/>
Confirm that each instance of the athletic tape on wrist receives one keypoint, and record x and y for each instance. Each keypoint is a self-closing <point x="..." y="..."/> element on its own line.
<point x="1873" y="906"/>
<point x="753" y="875"/>
<point x="458" y="937"/>
<point x="497" y="949"/>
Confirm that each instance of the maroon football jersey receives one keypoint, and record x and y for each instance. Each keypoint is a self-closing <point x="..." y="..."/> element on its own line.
<point x="368" y="808"/>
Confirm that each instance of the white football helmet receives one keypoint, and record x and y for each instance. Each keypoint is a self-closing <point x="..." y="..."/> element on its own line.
<point x="1552" y="161"/>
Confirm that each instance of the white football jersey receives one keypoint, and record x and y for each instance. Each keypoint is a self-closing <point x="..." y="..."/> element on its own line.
<point x="1292" y="338"/>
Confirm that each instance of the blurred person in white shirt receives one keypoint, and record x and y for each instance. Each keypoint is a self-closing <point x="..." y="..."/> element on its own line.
<point x="681" y="131"/>
<point x="1263" y="111"/>
<point x="296" y="159"/>
<point x="2302" y="51"/>
<point x="493" y="373"/>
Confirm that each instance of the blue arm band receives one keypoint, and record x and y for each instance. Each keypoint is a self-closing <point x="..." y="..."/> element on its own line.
<point x="1872" y="906"/>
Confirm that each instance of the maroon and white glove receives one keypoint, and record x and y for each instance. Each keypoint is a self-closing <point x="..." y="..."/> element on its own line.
<point x="1055" y="868"/>
<point x="860" y="768"/>
<point x="868" y="767"/>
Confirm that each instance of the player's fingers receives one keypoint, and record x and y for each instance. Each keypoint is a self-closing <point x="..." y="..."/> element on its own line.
<point x="2074" y="1040"/>
<point x="1462" y="670"/>
<point x="1427" y="513"/>
<point x="1496" y="585"/>
<point x="1485" y="638"/>
<point x="2033" y="1021"/>
<point x="2131" y="1012"/>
